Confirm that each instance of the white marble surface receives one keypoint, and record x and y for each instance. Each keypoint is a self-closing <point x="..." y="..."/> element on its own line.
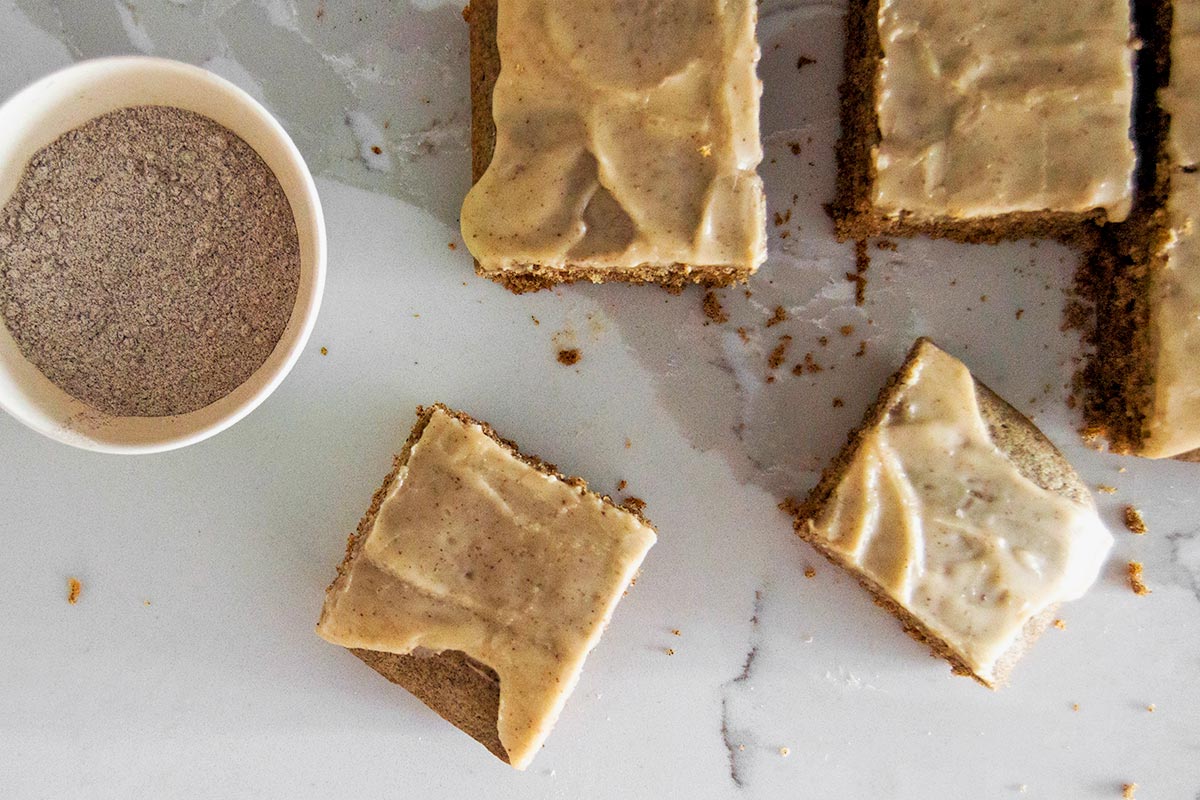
<point x="189" y="668"/>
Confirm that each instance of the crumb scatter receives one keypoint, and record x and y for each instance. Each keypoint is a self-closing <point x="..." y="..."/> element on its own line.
<point x="569" y="356"/>
<point x="74" y="589"/>
<point x="1134" y="572"/>
<point x="1134" y="521"/>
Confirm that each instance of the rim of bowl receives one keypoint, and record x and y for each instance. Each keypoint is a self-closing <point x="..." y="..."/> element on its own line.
<point x="60" y="429"/>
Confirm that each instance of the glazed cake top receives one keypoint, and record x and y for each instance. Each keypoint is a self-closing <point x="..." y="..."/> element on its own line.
<point x="1004" y="107"/>
<point x="624" y="138"/>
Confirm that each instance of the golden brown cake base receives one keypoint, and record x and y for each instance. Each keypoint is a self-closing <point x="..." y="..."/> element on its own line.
<point x="1021" y="442"/>
<point x="463" y="691"/>
<point x="485" y="68"/>
<point x="853" y="210"/>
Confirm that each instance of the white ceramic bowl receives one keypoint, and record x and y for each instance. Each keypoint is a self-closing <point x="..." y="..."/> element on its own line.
<point x="64" y="100"/>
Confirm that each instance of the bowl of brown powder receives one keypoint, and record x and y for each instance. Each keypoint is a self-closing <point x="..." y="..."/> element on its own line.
<point x="162" y="255"/>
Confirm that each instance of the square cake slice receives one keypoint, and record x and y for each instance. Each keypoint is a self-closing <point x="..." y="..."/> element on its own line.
<point x="614" y="141"/>
<point x="993" y="120"/>
<point x="958" y="515"/>
<point x="1143" y="380"/>
<point x="480" y="579"/>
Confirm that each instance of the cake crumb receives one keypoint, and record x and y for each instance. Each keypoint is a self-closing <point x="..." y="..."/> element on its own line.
<point x="823" y="341"/>
<point x="1020" y="313"/>
<point x="1127" y="791"/>
<point x="887" y="244"/>
<point x="452" y="246"/>
<point x="670" y="651"/>
<point x="779" y="316"/>
<point x="810" y="573"/>
<point x="621" y="485"/>
<point x="1151" y="708"/>
<point x="1061" y="624"/>
<point x="676" y="632"/>
<point x="324" y="351"/>
<point x="777" y="355"/>
<point x="785" y="751"/>
<point x="1106" y="489"/>
<point x="1075" y="706"/>
<point x="794" y="147"/>
<point x="536" y="321"/>
<point x="74" y="587"/>
<point x="635" y="504"/>
<point x="705" y="150"/>
<point x="838" y="402"/>
<point x="1134" y="521"/>
<point x="1135" y="578"/>
<point x="862" y="349"/>
<point x="745" y="337"/>
<point x="569" y="356"/>
<point x="628" y="444"/>
<point x="804" y="61"/>
<point x="713" y="309"/>
<point x="790" y="506"/>
<point x="862" y="262"/>
<point x="846" y="330"/>
<point x="145" y="602"/>
<point x="1122" y="470"/>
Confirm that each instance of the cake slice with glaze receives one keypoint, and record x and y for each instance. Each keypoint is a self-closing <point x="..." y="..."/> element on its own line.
<point x="480" y="579"/>
<point x="959" y="516"/>
<point x="993" y="120"/>
<point x="614" y="141"/>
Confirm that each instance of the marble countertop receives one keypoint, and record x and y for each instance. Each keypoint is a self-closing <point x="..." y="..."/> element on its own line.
<point x="189" y="667"/>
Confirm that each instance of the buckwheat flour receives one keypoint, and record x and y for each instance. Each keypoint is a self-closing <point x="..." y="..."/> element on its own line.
<point x="149" y="262"/>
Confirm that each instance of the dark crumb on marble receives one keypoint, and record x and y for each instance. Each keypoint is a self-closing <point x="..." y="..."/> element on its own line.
<point x="324" y="351"/>
<point x="376" y="149"/>
<point x="862" y="349"/>
<point x="535" y="320"/>
<point x="621" y="485"/>
<point x="779" y="353"/>
<point x="628" y="444"/>
<point x="804" y="61"/>
<point x="676" y="632"/>
<point x="741" y="332"/>
<point x="635" y="504"/>
<point x="846" y="330"/>
<point x="1020" y="313"/>
<point x="74" y="588"/>
<point x="770" y="379"/>
<point x="569" y="356"/>
<point x="838" y="402"/>
<point x="452" y="245"/>
<point x="1134" y="521"/>
<point x="1071" y="401"/>
<point x="1135" y="578"/>
<point x="713" y="309"/>
<point x="779" y="316"/>
<point x="790" y="506"/>
<point x="862" y="262"/>
<point x="1106" y="489"/>
<point x="823" y="341"/>
<point x="887" y="244"/>
<point x="783" y="218"/>
<point x="670" y="651"/>
<point x="794" y="147"/>
<point x="1061" y="624"/>
<point x="798" y="369"/>
<point x="810" y="573"/>
<point x="748" y="293"/>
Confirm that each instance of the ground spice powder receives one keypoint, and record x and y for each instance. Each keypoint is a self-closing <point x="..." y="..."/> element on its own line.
<point x="149" y="262"/>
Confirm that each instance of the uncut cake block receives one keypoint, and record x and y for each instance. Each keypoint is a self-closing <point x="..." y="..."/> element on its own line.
<point x="480" y="579"/>
<point x="614" y="142"/>
<point x="994" y="120"/>
<point x="959" y="516"/>
<point x="1143" y="380"/>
